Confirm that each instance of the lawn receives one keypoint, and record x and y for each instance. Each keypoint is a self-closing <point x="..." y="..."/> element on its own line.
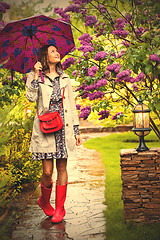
<point x="109" y="147"/>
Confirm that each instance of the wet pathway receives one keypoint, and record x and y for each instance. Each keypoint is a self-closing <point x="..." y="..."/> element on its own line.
<point x="84" y="218"/>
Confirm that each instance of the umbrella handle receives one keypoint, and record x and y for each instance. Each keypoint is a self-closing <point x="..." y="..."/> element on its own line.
<point x="41" y="76"/>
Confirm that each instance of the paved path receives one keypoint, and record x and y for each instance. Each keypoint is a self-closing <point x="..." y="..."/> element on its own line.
<point x="84" y="218"/>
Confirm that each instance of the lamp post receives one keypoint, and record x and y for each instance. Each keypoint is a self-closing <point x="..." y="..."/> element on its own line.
<point x="141" y="123"/>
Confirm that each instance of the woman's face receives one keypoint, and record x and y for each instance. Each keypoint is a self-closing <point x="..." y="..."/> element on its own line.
<point x="53" y="55"/>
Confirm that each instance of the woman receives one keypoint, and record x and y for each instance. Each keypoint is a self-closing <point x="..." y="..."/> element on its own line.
<point x="47" y="147"/>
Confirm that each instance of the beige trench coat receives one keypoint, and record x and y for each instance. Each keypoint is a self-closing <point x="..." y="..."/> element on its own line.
<point x="45" y="143"/>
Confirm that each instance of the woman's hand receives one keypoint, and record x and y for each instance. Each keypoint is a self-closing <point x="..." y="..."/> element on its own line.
<point x="78" y="140"/>
<point x="37" y="68"/>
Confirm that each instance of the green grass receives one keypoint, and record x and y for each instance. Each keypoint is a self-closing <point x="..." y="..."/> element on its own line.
<point x="109" y="147"/>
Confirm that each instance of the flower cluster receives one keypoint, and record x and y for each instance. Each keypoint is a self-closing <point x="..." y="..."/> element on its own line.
<point x="85" y="40"/>
<point x="82" y="87"/>
<point x="99" y="28"/>
<point x="90" y="20"/>
<point x="128" y="17"/>
<point x="74" y="73"/>
<point x="95" y="86"/>
<point x="135" y="87"/>
<point x="125" y="43"/>
<point x="68" y="62"/>
<point x="3" y="7"/>
<point x="104" y="114"/>
<point x="124" y="76"/>
<point x="116" y="115"/>
<point x="100" y="55"/>
<point x="64" y="16"/>
<point x="92" y="71"/>
<point x="86" y="48"/>
<point x="78" y="106"/>
<point x="101" y="8"/>
<point x="140" y="77"/>
<point x="72" y="8"/>
<point x="85" y="112"/>
<point x="120" y="32"/>
<point x="114" y="67"/>
<point x="154" y="57"/>
<point x="95" y="95"/>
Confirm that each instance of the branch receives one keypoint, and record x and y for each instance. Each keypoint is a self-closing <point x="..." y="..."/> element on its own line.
<point x="131" y="92"/>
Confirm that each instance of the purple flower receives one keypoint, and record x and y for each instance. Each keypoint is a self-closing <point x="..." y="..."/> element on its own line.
<point x="90" y="20"/>
<point x="120" y="54"/>
<point x="120" y="23"/>
<point x="125" y="43"/>
<point x="95" y="86"/>
<point x="114" y="67"/>
<point x="124" y="75"/>
<point x="78" y="106"/>
<point x="85" y="112"/>
<point x="101" y="8"/>
<point x="104" y="114"/>
<point x="74" y="72"/>
<point x="154" y="57"/>
<point x="92" y="71"/>
<point x="65" y="17"/>
<point x="72" y="8"/>
<point x="86" y="1"/>
<point x="100" y="55"/>
<point x="81" y="87"/>
<point x="4" y="6"/>
<point x="85" y="37"/>
<point x="101" y="82"/>
<point x="86" y="48"/>
<point x="139" y="31"/>
<point x="138" y="2"/>
<point x="140" y="77"/>
<point x="68" y="62"/>
<point x="116" y="115"/>
<point x="128" y="17"/>
<point x="132" y="80"/>
<point x="95" y="95"/>
<point x="135" y="87"/>
<point x="85" y="95"/>
<point x="120" y="33"/>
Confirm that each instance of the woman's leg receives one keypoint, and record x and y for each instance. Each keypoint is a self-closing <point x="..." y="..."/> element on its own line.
<point x="62" y="175"/>
<point x="46" y="188"/>
<point x="61" y="190"/>
<point x="46" y="178"/>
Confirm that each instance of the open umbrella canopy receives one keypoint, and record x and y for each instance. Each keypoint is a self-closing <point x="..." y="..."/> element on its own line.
<point x="21" y="40"/>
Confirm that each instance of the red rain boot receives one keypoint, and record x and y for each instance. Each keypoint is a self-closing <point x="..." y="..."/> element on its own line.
<point x="61" y="191"/>
<point x="44" y="201"/>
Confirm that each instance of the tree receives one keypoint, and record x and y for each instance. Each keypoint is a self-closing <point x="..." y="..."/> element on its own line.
<point x="118" y="55"/>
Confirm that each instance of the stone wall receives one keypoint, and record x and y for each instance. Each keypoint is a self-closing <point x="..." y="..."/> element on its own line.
<point x="140" y="173"/>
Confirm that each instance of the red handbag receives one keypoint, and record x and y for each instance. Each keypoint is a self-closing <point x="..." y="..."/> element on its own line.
<point x="51" y="122"/>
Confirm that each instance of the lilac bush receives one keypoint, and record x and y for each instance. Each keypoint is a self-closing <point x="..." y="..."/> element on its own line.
<point x="117" y="56"/>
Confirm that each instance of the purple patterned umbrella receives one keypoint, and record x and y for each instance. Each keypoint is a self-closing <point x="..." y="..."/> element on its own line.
<point x="21" y="40"/>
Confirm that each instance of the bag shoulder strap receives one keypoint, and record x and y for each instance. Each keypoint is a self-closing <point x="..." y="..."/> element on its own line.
<point x="61" y="103"/>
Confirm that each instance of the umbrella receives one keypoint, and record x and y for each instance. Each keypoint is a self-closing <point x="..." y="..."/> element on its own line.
<point x="21" y="40"/>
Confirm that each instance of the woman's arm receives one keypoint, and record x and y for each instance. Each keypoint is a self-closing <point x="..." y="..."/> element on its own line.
<point x="32" y="83"/>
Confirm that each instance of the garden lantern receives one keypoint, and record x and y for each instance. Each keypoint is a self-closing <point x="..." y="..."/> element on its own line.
<point x="141" y="123"/>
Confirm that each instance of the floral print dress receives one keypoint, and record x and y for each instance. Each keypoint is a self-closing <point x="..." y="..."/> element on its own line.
<point x="55" y="105"/>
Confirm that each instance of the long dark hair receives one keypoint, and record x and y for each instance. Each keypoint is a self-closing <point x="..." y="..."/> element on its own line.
<point x="42" y="58"/>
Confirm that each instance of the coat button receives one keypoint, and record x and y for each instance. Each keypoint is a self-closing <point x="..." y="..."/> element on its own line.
<point x="66" y="110"/>
<point x="67" y="125"/>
